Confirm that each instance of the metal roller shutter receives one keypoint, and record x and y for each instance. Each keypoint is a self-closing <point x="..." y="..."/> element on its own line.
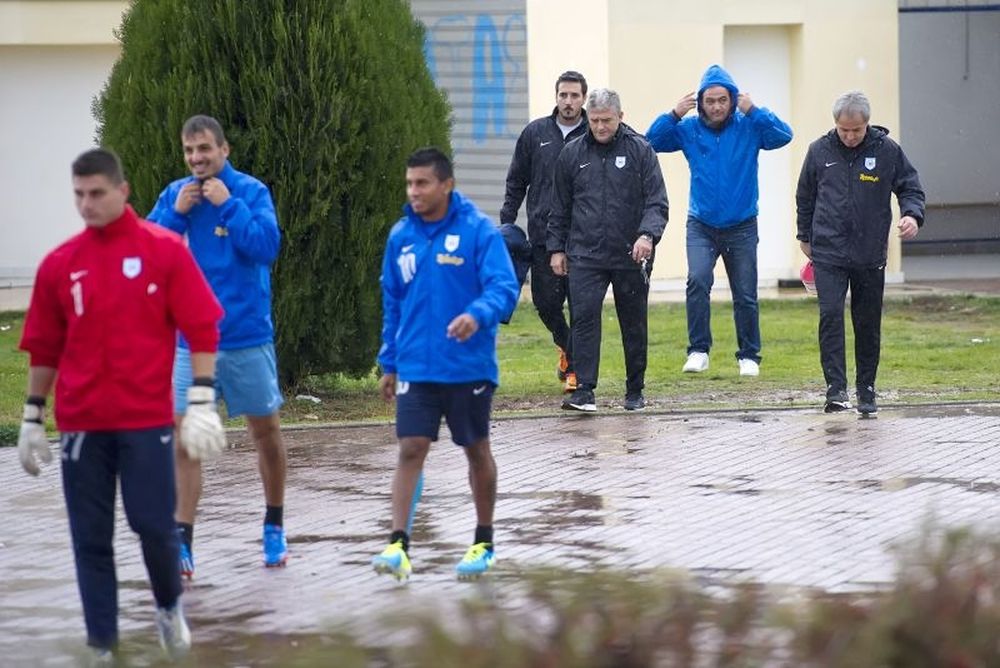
<point x="477" y="52"/>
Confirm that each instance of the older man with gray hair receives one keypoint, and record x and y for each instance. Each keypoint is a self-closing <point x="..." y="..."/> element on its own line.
<point x="609" y="209"/>
<point x="844" y="220"/>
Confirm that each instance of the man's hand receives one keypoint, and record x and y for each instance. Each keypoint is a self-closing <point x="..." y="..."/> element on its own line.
<point x="387" y="387"/>
<point x="908" y="227"/>
<point x="462" y="327"/>
<point x="558" y="264"/>
<point x="202" y="434"/>
<point x="744" y="102"/>
<point x="806" y="249"/>
<point x="642" y="249"/>
<point x="215" y="191"/>
<point x="31" y="442"/>
<point x="187" y="198"/>
<point x="686" y="104"/>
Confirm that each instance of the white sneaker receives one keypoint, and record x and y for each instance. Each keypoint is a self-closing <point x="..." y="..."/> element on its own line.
<point x="100" y="657"/>
<point x="175" y="636"/>
<point x="696" y="363"/>
<point x="749" y="368"/>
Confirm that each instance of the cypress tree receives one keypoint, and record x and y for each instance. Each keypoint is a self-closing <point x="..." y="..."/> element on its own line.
<point x="320" y="99"/>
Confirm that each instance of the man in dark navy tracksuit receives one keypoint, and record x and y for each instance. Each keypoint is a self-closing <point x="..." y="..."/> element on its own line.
<point x="531" y="172"/>
<point x="609" y="209"/>
<point x="844" y="219"/>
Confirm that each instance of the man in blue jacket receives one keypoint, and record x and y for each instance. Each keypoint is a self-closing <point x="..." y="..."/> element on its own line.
<point x="721" y="145"/>
<point x="447" y="281"/>
<point x="232" y="229"/>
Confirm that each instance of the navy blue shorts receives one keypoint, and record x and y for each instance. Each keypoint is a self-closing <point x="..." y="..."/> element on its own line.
<point x="466" y="407"/>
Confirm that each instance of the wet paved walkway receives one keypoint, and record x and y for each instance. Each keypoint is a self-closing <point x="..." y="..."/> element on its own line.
<point x="785" y="497"/>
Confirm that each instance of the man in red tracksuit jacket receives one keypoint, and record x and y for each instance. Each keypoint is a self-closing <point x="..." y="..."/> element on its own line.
<point x="102" y="327"/>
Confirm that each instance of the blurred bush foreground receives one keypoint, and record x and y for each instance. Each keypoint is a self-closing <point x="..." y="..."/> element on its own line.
<point x="942" y="610"/>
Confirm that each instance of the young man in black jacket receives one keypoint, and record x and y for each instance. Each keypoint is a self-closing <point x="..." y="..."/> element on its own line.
<point x="844" y="219"/>
<point x="609" y="209"/>
<point x="531" y="173"/>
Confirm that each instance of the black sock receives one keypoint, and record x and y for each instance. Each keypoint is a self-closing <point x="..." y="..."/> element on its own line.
<point x="186" y="532"/>
<point x="400" y="535"/>
<point x="484" y="534"/>
<point x="274" y="515"/>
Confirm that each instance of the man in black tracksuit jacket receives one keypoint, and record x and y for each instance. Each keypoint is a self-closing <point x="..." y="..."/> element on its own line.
<point x="844" y="219"/>
<point x="531" y="172"/>
<point x="609" y="209"/>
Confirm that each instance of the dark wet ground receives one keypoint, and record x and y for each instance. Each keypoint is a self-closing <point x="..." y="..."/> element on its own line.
<point x="778" y="497"/>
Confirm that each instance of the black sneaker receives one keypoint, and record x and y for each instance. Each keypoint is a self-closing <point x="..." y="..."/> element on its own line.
<point x="582" y="399"/>
<point x="837" y="402"/>
<point x="635" y="402"/>
<point x="866" y="401"/>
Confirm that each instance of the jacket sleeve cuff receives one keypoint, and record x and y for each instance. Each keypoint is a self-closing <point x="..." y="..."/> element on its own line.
<point x="42" y="359"/>
<point x="203" y="339"/>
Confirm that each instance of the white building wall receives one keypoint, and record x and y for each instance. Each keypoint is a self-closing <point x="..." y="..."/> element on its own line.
<point x="45" y="122"/>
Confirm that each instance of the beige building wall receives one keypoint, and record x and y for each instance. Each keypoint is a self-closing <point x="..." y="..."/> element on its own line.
<point x="657" y="50"/>
<point x="54" y="58"/>
<point x="55" y="55"/>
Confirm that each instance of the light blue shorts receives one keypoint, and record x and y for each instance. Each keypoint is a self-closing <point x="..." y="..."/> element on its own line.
<point x="247" y="379"/>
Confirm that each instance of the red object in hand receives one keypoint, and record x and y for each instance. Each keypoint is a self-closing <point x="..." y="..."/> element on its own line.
<point x="808" y="277"/>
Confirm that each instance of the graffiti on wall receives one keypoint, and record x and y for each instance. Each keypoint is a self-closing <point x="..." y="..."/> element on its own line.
<point x="471" y="57"/>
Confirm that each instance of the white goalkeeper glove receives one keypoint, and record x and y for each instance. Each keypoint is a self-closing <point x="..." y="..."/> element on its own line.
<point x="32" y="444"/>
<point x="202" y="434"/>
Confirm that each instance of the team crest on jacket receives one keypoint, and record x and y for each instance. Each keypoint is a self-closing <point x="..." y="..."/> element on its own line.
<point x="619" y="161"/>
<point x="451" y="242"/>
<point x="131" y="266"/>
<point x="870" y="163"/>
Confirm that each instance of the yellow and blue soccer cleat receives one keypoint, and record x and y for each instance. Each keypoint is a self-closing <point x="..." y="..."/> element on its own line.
<point x="478" y="559"/>
<point x="393" y="560"/>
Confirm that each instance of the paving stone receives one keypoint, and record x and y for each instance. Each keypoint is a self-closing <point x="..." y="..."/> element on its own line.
<point x="789" y="498"/>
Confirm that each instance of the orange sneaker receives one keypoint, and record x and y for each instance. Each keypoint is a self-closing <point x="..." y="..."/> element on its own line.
<point x="563" y="364"/>
<point x="570" y="385"/>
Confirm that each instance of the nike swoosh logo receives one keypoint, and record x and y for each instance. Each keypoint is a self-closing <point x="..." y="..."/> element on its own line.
<point x="829" y="164"/>
<point x="165" y="438"/>
<point x="406" y="249"/>
<point x="77" y="275"/>
<point x="584" y="165"/>
<point x="478" y="390"/>
<point x="545" y="143"/>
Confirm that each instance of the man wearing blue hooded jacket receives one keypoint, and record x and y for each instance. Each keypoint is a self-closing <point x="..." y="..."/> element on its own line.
<point x="721" y="145"/>
<point x="447" y="281"/>
<point x="232" y="228"/>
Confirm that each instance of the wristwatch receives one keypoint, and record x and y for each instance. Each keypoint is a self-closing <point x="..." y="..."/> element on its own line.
<point x="647" y="235"/>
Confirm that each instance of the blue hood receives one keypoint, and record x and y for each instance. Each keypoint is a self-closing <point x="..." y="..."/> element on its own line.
<point x="716" y="76"/>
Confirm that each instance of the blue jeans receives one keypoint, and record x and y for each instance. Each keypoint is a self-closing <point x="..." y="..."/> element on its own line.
<point x="738" y="247"/>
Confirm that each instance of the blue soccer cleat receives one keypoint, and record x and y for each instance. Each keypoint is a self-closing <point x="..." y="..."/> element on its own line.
<point x="393" y="560"/>
<point x="275" y="546"/>
<point x="478" y="560"/>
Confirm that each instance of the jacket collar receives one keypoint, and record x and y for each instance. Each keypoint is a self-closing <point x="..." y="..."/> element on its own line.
<point x="124" y="223"/>
<point x="456" y="201"/>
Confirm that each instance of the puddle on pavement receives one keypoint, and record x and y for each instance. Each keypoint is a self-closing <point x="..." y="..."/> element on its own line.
<point x="899" y="484"/>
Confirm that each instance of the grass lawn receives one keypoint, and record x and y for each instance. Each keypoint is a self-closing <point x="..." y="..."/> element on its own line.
<point x="934" y="349"/>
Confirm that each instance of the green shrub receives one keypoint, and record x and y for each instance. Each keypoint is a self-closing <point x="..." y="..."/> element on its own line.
<point x="9" y="431"/>
<point x="320" y="99"/>
<point x="942" y="610"/>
